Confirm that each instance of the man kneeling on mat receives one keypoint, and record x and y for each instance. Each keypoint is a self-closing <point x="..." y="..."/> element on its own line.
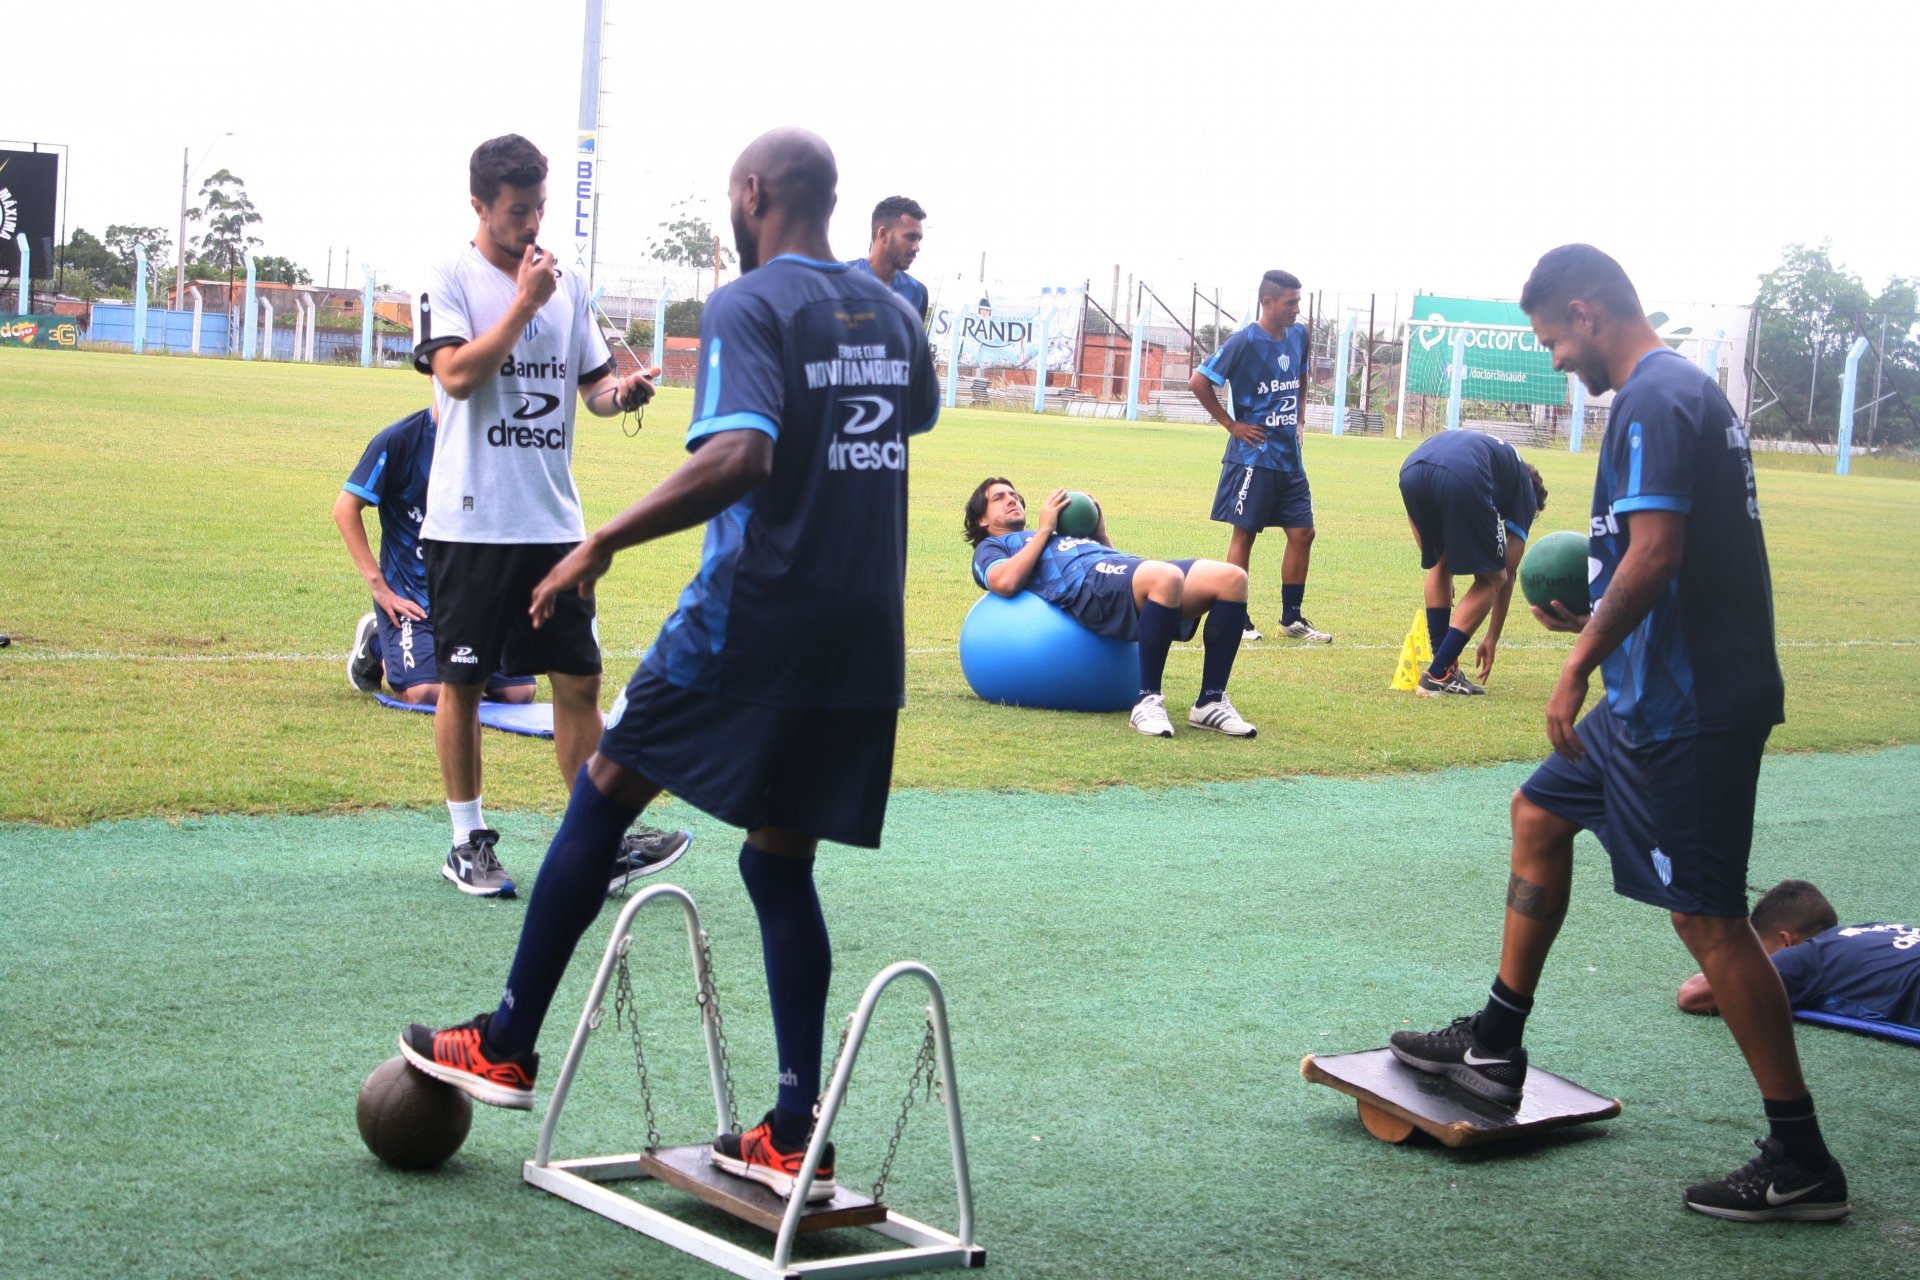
<point x="1869" y="971"/>
<point x="1118" y="595"/>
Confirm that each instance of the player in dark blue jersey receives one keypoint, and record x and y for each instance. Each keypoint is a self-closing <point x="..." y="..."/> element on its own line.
<point x="770" y="696"/>
<point x="1868" y="971"/>
<point x="1665" y="768"/>
<point x="896" y="243"/>
<point x="1263" y="481"/>
<point x="1118" y="595"/>
<point x="1471" y="501"/>
<point x="396" y="638"/>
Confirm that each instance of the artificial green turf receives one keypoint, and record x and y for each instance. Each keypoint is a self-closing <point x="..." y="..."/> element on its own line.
<point x="1133" y="977"/>
<point x="180" y="602"/>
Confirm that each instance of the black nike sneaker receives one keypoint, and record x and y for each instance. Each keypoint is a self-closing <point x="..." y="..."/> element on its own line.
<point x="1453" y="1052"/>
<point x="1774" y="1187"/>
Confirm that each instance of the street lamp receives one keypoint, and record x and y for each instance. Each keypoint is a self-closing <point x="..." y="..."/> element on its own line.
<point x="180" y="249"/>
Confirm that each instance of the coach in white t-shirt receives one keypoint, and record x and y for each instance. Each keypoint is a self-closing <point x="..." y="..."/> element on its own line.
<point x="510" y="340"/>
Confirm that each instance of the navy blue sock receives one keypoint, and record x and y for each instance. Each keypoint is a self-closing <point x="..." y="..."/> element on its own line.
<point x="1447" y="652"/>
<point x="799" y="963"/>
<point x="566" y="897"/>
<point x="1159" y="626"/>
<point x="1220" y="638"/>
<point x="1291" y="594"/>
<point x="1437" y="620"/>
<point x="1503" y="1023"/>
<point x="1795" y="1126"/>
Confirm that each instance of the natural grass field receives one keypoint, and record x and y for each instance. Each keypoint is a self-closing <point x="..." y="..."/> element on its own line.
<point x="223" y="902"/>
<point x="179" y="601"/>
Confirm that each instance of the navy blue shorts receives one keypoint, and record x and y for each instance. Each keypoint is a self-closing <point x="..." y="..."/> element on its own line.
<point x="1105" y="604"/>
<point x="1262" y="498"/>
<point x="1454" y="518"/>
<point x="406" y="651"/>
<point x="824" y="773"/>
<point x="1676" y="817"/>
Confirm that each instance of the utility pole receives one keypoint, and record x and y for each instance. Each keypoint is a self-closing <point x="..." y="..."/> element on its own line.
<point x="1879" y="362"/>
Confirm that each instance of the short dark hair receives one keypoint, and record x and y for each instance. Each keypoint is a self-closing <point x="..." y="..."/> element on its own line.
<point x="1277" y="282"/>
<point x="1539" y="486"/>
<point x="1796" y="906"/>
<point x="894" y="208"/>
<point x="508" y="160"/>
<point x="1578" y="272"/>
<point x="970" y="527"/>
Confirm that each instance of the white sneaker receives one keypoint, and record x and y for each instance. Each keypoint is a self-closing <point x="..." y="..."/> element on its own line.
<point x="1220" y="717"/>
<point x="1150" y="717"/>
<point x="363" y="660"/>
<point x="1251" y="633"/>
<point x="1301" y="629"/>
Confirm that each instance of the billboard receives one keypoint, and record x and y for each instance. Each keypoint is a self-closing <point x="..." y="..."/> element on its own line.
<point x="29" y="192"/>
<point x="1002" y="329"/>
<point x="1503" y="361"/>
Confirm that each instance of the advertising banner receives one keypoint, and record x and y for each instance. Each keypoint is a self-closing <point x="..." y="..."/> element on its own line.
<point x="1503" y="361"/>
<point x="39" y="331"/>
<point x="29" y="200"/>
<point x="1002" y="329"/>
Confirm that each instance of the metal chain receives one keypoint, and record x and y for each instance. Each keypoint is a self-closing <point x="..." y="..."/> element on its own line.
<point x="846" y="1029"/>
<point x="923" y="1065"/>
<point x="709" y="1001"/>
<point x="624" y="1008"/>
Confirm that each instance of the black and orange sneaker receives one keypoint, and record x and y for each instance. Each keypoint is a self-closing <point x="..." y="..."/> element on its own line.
<point x="757" y="1154"/>
<point x="458" y="1056"/>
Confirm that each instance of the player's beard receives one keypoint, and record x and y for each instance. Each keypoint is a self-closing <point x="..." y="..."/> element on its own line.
<point x="744" y="243"/>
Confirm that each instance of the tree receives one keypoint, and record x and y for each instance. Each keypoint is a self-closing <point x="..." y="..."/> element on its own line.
<point x="688" y="239"/>
<point x="228" y="214"/>
<point x="1810" y="312"/>
<point x="280" y="270"/>
<point x="120" y="243"/>
<point x="89" y="265"/>
<point x="683" y="318"/>
<point x="640" y="335"/>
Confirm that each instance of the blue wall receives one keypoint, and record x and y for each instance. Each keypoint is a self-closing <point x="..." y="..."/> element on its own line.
<point x="172" y="332"/>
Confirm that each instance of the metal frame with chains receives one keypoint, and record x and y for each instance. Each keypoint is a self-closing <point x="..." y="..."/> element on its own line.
<point x="583" y="1180"/>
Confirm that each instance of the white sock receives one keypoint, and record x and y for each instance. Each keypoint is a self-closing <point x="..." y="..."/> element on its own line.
<point x="466" y="818"/>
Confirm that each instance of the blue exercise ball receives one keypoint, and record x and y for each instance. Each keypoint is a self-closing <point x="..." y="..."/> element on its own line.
<point x="1021" y="650"/>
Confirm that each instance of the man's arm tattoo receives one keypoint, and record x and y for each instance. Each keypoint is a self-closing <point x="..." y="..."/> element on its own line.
<point x="1531" y="900"/>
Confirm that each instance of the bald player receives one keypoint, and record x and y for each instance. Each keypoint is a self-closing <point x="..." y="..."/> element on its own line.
<point x="770" y="695"/>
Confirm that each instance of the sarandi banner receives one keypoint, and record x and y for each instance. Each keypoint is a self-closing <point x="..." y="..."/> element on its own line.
<point x="29" y="199"/>
<point x="1001" y="328"/>
<point x="39" y="331"/>
<point x="1504" y="362"/>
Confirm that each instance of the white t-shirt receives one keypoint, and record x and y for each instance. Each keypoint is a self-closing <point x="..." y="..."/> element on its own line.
<point x="502" y="458"/>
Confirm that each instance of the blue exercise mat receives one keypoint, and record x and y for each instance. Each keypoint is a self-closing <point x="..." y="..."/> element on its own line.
<point x="534" y="719"/>
<point x="1865" y="1026"/>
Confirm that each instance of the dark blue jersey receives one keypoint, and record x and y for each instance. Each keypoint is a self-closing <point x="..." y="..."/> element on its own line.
<point x="1492" y="466"/>
<point x="911" y="291"/>
<point x="798" y="600"/>
<point x="1265" y="373"/>
<point x="1857" y="971"/>
<point x="1065" y="572"/>
<point x="1702" y="660"/>
<point x="392" y="475"/>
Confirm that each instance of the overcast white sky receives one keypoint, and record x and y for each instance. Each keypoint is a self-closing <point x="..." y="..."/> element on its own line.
<point x="1373" y="145"/>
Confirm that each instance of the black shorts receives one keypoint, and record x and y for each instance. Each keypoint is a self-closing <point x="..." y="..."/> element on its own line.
<point x="1454" y="520"/>
<point x="1676" y="817"/>
<point x="824" y="773"/>
<point x="1105" y="605"/>
<point x="1262" y="498"/>
<point x="406" y="651"/>
<point x="480" y="593"/>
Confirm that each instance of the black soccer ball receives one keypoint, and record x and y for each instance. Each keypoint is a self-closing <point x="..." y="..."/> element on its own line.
<point x="409" y="1119"/>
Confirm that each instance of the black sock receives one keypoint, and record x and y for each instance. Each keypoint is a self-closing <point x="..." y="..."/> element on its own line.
<point x="1291" y="596"/>
<point x="1504" y="1021"/>
<point x="1447" y="652"/>
<point x="1226" y="623"/>
<point x="1159" y="626"/>
<point x="1437" y="622"/>
<point x="1796" y="1128"/>
<point x="799" y="963"/>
